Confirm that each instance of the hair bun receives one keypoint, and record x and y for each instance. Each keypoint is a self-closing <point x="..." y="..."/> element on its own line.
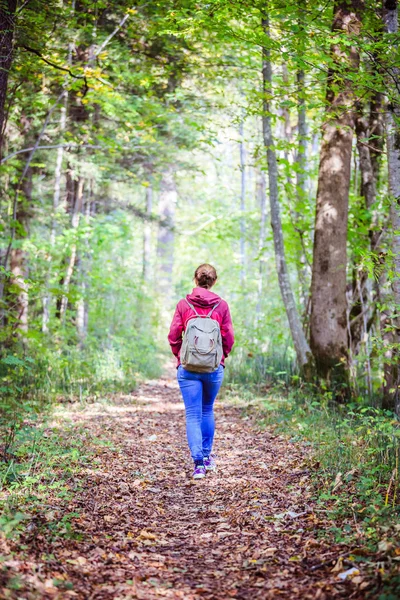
<point x="205" y="275"/>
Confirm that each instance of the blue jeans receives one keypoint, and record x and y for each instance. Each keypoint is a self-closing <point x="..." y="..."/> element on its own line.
<point x="199" y="391"/>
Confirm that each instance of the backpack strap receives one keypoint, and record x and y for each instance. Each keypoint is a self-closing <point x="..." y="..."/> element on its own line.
<point x="213" y="308"/>
<point x="193" y="308"/>
<point x="203" y="316"/>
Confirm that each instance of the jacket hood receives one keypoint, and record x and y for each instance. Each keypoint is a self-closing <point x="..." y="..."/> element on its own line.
<point x="202" y="298"/>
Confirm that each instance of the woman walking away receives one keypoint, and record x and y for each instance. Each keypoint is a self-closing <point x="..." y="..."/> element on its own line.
<point x="204" y="320"/>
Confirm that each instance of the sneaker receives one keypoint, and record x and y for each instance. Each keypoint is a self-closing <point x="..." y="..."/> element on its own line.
<point x="209" y="463"/>
<point x="199" y="472"/>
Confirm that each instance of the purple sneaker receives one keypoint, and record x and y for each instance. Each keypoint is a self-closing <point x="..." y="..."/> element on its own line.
<point x="209" y="463"/>
<point x="199" y="472"/>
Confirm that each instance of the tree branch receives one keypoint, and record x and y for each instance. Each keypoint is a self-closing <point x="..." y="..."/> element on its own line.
<point x="54" y="65"/>
<point x="107" y="40"/>
<point x="21" y="8"/>
<point x="48" y="147"/>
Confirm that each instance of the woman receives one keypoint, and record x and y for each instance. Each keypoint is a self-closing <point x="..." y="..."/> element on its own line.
<point x="199" y="390"/>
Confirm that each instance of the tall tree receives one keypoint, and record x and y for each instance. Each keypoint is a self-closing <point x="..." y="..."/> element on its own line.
<point x="7" y="27"/>
<point x="165" y="245"/>
<point x="328" y="325"/>
<point x="393" y="154"/>
<point x="242" y="203"/>
<point x="147" y="234"/>
<point x="302" y="348"/>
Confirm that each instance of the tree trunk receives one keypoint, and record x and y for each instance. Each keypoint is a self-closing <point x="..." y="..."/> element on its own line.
<point x="301" y="158"/>
<point x="242" y="204"/>
<point x="376" y="131"/>
<point x="392" y="385"/>
<point x="7" y="27"/>
<point x="361" y="305"/>
<point x="56" y="201"/>
<point x="299" y="340"/>
<point x="328" y="325"/>
<point x="75" y="218"/>
<point x="262" y="204"/>
<point x="83" y="268"/>
<point x="368" y="182"/>
<point x="147" y="235"/>
<point x="301" y="192"/>
<point x="165" y="245"/>
<point x="18" y="300"/>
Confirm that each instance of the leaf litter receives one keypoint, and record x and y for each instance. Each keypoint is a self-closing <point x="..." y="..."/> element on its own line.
<point x="143" y="529"/>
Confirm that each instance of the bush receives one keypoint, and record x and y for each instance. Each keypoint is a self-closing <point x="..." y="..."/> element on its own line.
<point x="22" y="397"/>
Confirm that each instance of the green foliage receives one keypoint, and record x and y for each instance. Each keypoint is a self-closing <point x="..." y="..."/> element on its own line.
<point x="354" y="447"/>
<point x="22" y="397"/>
<point x="44" y="460"/>
<point x="259" y="369"/>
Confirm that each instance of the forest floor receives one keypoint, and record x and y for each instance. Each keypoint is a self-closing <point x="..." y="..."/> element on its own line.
<point x="135" y="525"/>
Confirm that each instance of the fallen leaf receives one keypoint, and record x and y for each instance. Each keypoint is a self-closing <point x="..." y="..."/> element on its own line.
<point x="146" y="535"/>
<point x="385" y="546"/>
<point x="349" y="573"/>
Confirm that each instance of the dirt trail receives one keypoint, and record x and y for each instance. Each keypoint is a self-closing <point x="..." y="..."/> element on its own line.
<point x="148" y="531"/>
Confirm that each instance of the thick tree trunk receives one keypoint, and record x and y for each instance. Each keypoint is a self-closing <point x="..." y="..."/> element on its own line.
<point x="165" y="245"/>
<point x="299" y="340"/>
<point x="7" y="28"/>
<point x="328" y="323"/>
<point x="392" y="384"/>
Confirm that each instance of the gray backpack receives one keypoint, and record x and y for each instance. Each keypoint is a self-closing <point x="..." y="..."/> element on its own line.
<point x="201" y="350"/>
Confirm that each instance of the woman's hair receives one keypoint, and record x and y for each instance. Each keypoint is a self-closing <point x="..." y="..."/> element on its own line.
<point x="205" y="276"/>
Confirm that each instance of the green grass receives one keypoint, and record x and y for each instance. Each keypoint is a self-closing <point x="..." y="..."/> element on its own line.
<point x="41" y="476"/>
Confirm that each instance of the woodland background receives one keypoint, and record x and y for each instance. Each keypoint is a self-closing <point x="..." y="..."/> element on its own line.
<point x="138" y="141"/>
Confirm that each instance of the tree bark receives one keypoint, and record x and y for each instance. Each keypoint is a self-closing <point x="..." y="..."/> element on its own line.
<point x="301" y="346"/>
<point x="328" y="324"/>
<point x="147" y="235"/>
<point x="392" y="384"/>
<point x="56" y="201"/>
<point x="7" y="27"/>
<point x="360" y="303"/>
<point x="84" y="263"/>
<point x="262" y="204"/>
<point x="19" y="273"/>
<point x="18" y="301"/>
<point x="77" y="205"/>
<point x="242" y="204"/>
<point x="304" y="267"/>
<point x="166" y="235"/>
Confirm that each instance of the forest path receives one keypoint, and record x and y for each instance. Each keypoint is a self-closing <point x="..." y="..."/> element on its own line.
<point x="248" y="531"/>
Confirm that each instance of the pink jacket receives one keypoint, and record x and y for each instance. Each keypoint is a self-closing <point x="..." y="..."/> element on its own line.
<point x="203" y="300"/>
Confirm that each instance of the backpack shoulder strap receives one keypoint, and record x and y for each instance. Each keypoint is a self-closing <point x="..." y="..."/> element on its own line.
<point x="213" y="308"/>
<point x="193" y="308"/>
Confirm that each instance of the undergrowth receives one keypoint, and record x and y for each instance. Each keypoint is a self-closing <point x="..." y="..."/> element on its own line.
<point x="355" y="451"/>
<point x="40" y="477"/>
<point x="34" y="379"/>
<point x="354" y="465"/>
